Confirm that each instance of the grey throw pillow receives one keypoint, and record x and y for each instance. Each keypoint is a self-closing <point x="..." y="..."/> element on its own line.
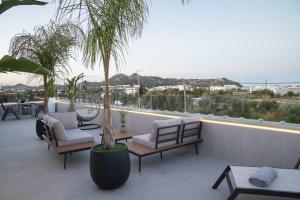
<point x="58" y="128"/>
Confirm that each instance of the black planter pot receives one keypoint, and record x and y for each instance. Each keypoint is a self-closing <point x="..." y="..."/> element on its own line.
<point x="110" y="169"/>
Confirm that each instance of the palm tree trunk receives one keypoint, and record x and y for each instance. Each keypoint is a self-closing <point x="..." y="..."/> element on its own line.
<point x="108" y="140"/>
<point x="45" y="95"/>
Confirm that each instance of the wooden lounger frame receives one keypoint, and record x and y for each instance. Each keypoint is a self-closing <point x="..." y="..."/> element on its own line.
<point x="50" y="137"/>
<point x="141" y="151"/>
<point x="234" y="192"/>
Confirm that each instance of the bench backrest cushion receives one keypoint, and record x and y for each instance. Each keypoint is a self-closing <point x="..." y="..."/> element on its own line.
<point x="163" y="123"/>
<point x="58" y="128"/>
<point x="46" y="118"/>
<point x="190" y="129"/>
<point x="68" y="119"/>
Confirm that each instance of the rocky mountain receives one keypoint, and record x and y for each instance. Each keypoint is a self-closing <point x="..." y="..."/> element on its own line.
<point x="153" y="81"/>
<point x="146" y="81"/>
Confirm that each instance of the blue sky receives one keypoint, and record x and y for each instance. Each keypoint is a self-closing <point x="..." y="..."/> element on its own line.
<point x="242" y="40"/>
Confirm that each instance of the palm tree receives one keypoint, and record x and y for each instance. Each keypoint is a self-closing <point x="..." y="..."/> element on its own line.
<point x="51" y="47"/>
<point x="110" y="25"/>
<point x="72" y="89"/>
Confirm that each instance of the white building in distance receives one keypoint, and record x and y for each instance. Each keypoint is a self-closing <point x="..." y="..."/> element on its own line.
<point x="285" y="90"/>
<point x="132" y="90"/>
<point x="224" y="87"/>
<point x="179" y="87"/>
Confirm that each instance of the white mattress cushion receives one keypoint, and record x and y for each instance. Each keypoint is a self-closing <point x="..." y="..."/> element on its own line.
<point x="76" y="136"/>
<point x="68" y="119"/>
<point x="163" y="123"/>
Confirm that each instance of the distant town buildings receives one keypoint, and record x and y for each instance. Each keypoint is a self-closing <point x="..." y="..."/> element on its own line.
<point x="277" y="89"/>
<point x="223" y="87"/>
<point x="179" y="87"/>
<point x="127" y="89"/>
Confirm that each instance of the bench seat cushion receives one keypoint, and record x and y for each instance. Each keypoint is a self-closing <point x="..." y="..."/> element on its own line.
<point x="76" y="136"/>
<point x="145" y="140"/>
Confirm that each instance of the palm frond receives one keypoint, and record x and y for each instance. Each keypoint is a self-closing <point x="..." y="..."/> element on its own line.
<point x="7" y="4"/>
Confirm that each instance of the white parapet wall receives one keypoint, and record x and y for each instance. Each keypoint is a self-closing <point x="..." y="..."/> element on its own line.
<point x="242" y="143"/>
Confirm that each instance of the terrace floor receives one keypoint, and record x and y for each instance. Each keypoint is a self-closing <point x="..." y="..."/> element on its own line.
<point x="28" y="171"/>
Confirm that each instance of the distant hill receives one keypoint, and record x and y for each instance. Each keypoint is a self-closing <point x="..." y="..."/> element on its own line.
<point x="154" y="81"/>
<point x="146" y="81"/>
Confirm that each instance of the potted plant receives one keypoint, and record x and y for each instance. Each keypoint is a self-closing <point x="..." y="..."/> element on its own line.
<point x="72" y="89"/>
<point x="110" y="26"/>
<point x="123" y="115"/>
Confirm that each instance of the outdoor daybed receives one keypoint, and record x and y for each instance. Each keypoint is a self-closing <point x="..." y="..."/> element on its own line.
<point x="166" y="135"/>
<point x="64" y="136"/>
<point x="287" y="183"/>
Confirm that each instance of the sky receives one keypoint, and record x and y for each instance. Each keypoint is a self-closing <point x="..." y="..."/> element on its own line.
<point x="242" y="40"/>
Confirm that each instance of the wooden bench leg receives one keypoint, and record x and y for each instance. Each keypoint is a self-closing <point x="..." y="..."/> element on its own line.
<point x="221" y="178"/>
<point x="161" y="155"/>
<point x="140" y="163"/>
<point x="65" y="161"/>
<point x="196" y="148"/>
<point x="48" y="147"/>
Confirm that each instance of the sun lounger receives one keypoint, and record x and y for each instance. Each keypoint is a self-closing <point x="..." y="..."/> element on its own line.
<point x="287" y="183"/>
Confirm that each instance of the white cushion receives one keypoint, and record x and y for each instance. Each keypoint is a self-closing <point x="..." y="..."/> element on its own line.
<point x="76" y="136"/>
<point x="45" y="118"/>
<point x="190" y="119"/>
<point x="68" y="119"/>
<point x="189" y="126"/>
<point x="145" y="140"/>
<point x="163" y="123"/>
<point x="86" y="114"/>
<point x="58" y="128"/>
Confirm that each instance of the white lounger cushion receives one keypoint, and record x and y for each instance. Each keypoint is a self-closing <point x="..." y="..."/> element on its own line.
<point x="288" y="180"/>
<point x="68" y="119"/>
<point x="163" y="123"/>
<point x="145" y="140"/>
<point x="76" y="136"/>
